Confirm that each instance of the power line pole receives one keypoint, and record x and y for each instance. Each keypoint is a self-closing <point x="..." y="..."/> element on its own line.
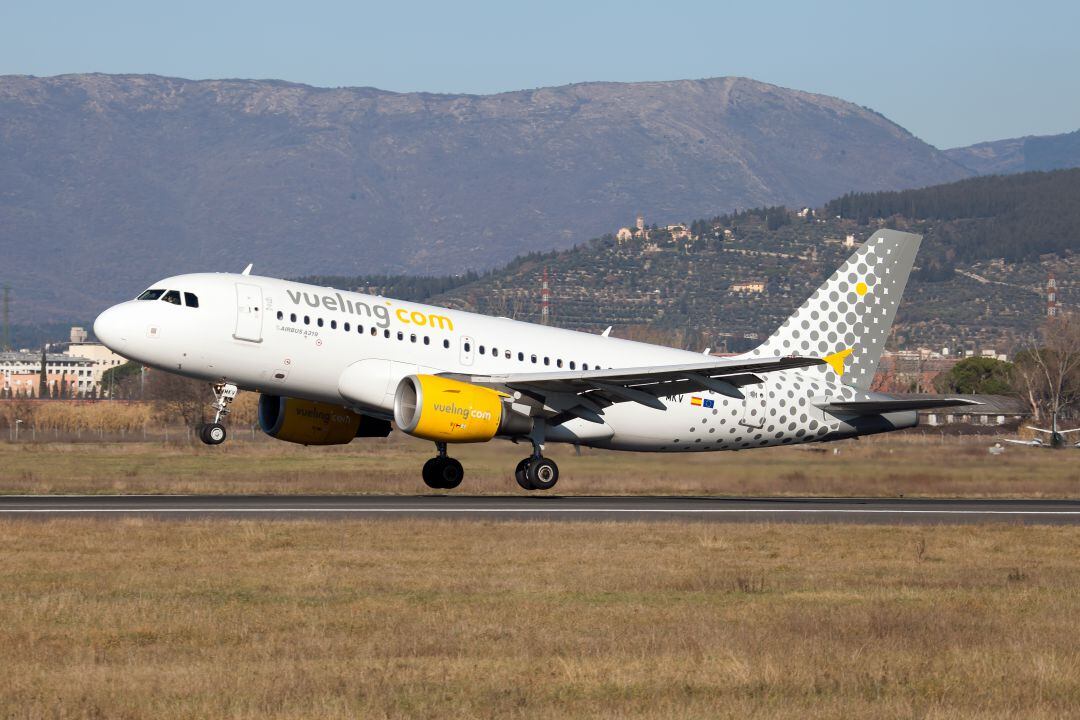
<point x="5" y="341"/>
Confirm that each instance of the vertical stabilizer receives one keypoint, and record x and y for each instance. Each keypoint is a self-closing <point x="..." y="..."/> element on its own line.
<point x="847" y="320"/>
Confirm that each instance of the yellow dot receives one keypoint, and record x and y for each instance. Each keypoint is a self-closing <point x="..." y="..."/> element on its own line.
<point x="861" y="288"/>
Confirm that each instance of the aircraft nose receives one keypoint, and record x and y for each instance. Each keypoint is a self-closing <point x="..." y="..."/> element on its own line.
<point x="109" y="328"/>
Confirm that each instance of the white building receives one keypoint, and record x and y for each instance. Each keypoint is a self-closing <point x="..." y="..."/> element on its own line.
<point x="20" y="373"/>
<point x="100" y="356"/>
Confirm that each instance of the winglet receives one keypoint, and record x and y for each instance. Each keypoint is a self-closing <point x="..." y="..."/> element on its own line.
<point x="836" y="360"/>
<point x="247" y="270"/>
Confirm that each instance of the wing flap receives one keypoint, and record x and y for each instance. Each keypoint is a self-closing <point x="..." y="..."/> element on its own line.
<point x="895" y="404"/>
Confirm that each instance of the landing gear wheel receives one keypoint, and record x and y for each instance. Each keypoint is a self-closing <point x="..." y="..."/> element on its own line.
<point x="521" y="476"/>
<point x="443" y="473"/>
<point x="542" y="473"/>
<point x="212" y="433"/>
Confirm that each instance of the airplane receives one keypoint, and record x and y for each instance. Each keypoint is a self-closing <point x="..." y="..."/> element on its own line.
<point x="1056" y="439"/>
<point x="332" y="365"/>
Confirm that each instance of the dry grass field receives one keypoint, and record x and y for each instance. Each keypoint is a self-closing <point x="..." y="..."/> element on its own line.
<point x="909" y="465"/>
<point x="234" y="619"/>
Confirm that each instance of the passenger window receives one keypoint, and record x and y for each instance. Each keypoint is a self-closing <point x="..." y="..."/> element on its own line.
<point x="191" y="300"/>
<point x="412" y="337"/>
<point x="386" y="334"/>
<point x="375" y="332"/>
<point x="307" y="319"/>
<point x="495" y="352"/>
<point x="173" y="297"/>
<point x="584" y="366"/>
<point x="333" y="324"/>
<point x="292" y="317"/>
<point x="521" y="357"/>
<point x="318" y="321"/>
<point x="468" y="347"/>
<point x="400" y="335"/>
<point x="151" y="294"/>
<point x="572" y="366"/>
<point x="280" y="315"/>
<point x="346" y="327"/>
<point x="558" y="363"/>
<point x="446" y="344"/>
<point x="507" y="355"/>
<point x="427" y="340"/>
<point x="547" y="360"/>
<point x="533" y="359"/>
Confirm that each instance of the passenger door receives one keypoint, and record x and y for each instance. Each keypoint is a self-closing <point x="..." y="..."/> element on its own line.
<point x="248" y="312"/>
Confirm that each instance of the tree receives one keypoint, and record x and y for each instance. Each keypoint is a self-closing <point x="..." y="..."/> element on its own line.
<point x="1048" y="374"/>
<point x="178" y="398"/>
<point x="977" y="376"/>
<point x="122" y="381"/>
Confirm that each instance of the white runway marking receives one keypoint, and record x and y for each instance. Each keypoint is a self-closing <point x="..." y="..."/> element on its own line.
<point x="535" y="511"/>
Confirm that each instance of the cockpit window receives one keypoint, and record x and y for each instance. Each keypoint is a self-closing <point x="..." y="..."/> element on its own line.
<point x="173" y="296"/>
<point x="152" y="294"/>
<point x="191" y="300"/>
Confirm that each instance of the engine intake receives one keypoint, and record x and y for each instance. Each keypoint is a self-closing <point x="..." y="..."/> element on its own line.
<point x="314" y="423"/>
<point x="445" y="410"/>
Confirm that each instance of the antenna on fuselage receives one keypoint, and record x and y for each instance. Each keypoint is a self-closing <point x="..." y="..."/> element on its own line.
<point x="247" y="270"/>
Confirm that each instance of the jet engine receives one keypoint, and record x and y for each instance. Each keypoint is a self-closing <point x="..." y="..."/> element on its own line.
<point x="445" y="410"/>
<point x="314" y="423"/>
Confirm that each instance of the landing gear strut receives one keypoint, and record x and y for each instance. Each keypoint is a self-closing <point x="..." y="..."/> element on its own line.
<point x="214" y="433"/>
<point x="443" y="472"/>
<point x="536" y="472"/>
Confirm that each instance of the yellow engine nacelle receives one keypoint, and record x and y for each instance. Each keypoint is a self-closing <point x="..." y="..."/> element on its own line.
<point x="315" y="423"/>
<point x="445" y="410"/>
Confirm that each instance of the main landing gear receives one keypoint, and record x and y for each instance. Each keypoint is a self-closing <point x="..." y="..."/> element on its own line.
<point x="443" y="472"/>
<point x="214" y="433"/>
<point x="536" y="472"/>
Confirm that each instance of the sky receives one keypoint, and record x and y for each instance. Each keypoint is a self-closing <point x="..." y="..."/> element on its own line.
<point x="952" y="73"/>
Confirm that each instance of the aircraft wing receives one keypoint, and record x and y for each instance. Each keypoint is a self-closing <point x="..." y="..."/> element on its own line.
<point x="585" y="393"/>
<point x="1029" y="443"/>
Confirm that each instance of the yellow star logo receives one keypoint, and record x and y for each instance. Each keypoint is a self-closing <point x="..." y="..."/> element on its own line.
<point x="836" y="360"/>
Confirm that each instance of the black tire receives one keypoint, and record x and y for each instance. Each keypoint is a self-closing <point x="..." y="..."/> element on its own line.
<point x="432" y="473"/>
<point x="212" y="433"/>
<point x="443" y="473"/>
<point x="520" y="474"/>
<point x="542" y="474"/>
<point x="452" y="473"/>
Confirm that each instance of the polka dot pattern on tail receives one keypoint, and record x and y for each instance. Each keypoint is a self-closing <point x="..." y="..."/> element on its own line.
<point x="853" y="309"/>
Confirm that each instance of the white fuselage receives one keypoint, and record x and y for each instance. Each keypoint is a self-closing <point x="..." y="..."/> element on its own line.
<point x="290" y="339"/>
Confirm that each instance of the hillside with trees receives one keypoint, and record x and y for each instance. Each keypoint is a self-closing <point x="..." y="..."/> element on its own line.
<point x="966" y="293"/>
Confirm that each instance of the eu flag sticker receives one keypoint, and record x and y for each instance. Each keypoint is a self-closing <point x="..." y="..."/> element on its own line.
<point x="707" y="403"/>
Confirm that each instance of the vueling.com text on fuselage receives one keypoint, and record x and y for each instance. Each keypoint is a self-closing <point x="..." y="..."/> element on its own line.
<point x="380" y="311"/>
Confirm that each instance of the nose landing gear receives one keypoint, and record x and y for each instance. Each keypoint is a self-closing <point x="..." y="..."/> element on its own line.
<point x="442" y="472"/>
<point x="214" y="433"/>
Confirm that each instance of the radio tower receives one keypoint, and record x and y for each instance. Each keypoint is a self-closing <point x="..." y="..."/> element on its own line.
<point x="545" y="301"/>
<point x="5" y="341"/>
<point x="1051" y="296"/>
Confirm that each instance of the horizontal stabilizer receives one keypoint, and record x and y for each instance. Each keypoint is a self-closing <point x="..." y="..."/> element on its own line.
<point x="895" y="404"/>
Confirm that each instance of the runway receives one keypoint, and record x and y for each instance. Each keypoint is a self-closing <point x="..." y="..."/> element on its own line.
<point x="547" y="508"/>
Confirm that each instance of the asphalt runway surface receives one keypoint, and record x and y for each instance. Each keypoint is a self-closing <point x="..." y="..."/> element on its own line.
<point x="547" y="508"/>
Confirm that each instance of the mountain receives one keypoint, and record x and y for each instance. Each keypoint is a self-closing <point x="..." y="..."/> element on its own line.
<point x="110" y="182"/>
<point x="1033" y="152"/>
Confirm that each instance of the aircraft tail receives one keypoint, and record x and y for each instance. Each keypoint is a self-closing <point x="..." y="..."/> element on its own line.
<point x="846" y="321"/>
